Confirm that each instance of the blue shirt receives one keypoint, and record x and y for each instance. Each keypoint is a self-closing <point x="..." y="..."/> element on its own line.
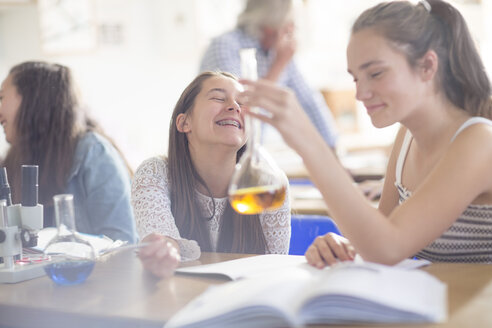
<point x="223" y="54"/>
<point x="100" y="183"/>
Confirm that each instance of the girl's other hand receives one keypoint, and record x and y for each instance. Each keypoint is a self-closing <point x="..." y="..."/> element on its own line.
<point x="329" y="249"/>
<point x="161" y="257"/>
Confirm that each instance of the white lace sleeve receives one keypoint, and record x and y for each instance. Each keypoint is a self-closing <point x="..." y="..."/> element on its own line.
<point x="152" y="206"/>
<point x="276" y="227"/>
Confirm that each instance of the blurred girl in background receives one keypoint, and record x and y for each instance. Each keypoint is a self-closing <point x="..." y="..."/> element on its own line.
<point x="46" y="126"/>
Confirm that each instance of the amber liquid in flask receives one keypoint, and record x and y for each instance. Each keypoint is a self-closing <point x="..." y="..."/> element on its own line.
<point x="257" y="184"/>
<point x="257" y="199"/>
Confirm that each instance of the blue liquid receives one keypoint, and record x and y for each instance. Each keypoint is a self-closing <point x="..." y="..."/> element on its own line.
<point x="69" y="273"/>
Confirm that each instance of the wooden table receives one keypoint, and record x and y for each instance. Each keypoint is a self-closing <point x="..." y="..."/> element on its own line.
<point x="120" y="294"/>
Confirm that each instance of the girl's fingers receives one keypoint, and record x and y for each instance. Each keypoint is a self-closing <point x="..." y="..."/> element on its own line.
<point x="157" y="249"/>
<point x="162" y="252"/>
<point x="267" y="117"/>
<point x="338" y="248"/>
<point x="150" y="250"/>
<point x="163" y="262"/>
<point x="325" y="250"/>
<point x="328" y="250"/>
<point x="350" y="251"/>
<point x="255" y="99"/>
<point x="156" y="241"/>
<point x="174" y="253"/>
<point x="265" y="89"/>
<point x="313" y="257"/>
<point x="152" y="237"/>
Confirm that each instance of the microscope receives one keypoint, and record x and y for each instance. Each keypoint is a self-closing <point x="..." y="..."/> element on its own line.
<point x="19" y="225"/>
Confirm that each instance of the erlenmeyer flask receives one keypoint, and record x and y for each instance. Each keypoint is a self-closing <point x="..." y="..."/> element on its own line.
<point x="257" y="184"/>
<point x="72" y="257"/>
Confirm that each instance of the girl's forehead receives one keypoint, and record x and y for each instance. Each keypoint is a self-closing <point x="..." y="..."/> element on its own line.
<point x="367" y="39"/>
<point x="6" y="81"/>
<point x="368" y="46"/>
<point x="222" y="82"/>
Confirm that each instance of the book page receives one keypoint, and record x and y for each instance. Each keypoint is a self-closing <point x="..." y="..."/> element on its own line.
<point x="269" y="300"/>
<point x="403" y="295"/>
<point x="413" y="264"/>
<point x="405" y="264"/>
<point x="260" y="264"/>
<point x="246" y="267"/>
<point x="301" y="295"/>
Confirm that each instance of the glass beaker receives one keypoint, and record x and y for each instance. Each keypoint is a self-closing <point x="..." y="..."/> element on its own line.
<point x="257" y="183"/>
<point x="72" y="258"/>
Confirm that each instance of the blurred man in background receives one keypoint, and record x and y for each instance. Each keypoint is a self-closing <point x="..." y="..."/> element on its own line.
<point x="268" y="26"/>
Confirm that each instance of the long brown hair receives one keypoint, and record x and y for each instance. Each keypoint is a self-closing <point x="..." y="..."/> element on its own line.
<point x="49" y="123"/>
<point x="436" y="25"/>
<point x="238" y="233"/>
<point x="47" y="127"/>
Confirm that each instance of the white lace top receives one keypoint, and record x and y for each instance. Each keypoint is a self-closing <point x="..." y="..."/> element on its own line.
<point x="152" y="208"/>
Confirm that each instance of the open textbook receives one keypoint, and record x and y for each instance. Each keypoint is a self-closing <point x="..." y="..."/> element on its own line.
<point x="346" y="293"/>
<point x="257" y="265"/>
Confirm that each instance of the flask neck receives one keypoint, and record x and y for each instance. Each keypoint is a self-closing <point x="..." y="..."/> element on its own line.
<point x="65" y="225"/>
<point x="66" y="221"/>
<point x="64" y="212"/>
<point x="253" y="129"/>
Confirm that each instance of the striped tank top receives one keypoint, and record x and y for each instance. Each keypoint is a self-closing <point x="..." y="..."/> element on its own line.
<point x="469" y="239"/>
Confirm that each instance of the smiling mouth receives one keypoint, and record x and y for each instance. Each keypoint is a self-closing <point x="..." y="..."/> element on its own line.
<point x="374" y="108"/>
<point x="230" y="123"/>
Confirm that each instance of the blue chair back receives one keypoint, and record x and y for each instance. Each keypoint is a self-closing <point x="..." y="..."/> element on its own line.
<point x="305" y="228"/>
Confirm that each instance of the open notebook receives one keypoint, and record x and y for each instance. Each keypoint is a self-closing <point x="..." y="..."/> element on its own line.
<point x="347" y="293"/>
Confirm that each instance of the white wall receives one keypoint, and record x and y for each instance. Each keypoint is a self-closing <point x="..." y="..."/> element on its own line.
<point x="132" y="86"/>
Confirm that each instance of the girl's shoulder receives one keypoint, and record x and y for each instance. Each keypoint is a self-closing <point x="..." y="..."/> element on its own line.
<point x="92" y="150"/>
<point x="91" y="146"/>
<point x="471" y="146"/>
<point x="156" y="165"/>
<point x="90" y="139"/>
<point x="475" y="132"/>
<point x="474" y="124"/>
<point x="155" y="161"/>
<point x="87" y="141"/>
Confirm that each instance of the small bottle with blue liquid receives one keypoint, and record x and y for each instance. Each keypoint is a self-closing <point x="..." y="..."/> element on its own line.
<point x="72" y="258"/>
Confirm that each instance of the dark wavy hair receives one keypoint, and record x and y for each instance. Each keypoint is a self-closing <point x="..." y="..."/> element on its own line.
<point x="49" y="123"/>
<point x="414" y="30"/>
<point x="238" y="233"/>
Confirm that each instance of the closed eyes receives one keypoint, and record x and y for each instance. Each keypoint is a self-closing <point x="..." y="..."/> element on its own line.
<point x="376" y="74"/>
<point x="218" y="99"/>
<point x="371" y="76"/>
